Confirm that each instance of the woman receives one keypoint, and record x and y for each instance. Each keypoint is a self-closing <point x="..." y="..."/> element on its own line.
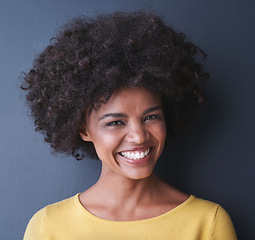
<point x="112" y="87"/>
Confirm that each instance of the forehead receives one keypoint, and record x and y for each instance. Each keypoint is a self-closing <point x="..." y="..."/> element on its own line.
<point x="125" y="99"/>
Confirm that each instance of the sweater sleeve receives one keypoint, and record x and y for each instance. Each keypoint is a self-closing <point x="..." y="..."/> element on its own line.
<point x="222" y="227"/>
<point x="35" y="227"/>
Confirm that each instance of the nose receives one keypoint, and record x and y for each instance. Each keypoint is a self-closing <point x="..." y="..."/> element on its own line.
<point x="137" y="134"/>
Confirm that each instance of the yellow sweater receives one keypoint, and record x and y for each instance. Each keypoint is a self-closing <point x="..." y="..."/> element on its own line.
<point x="69" y="220"/>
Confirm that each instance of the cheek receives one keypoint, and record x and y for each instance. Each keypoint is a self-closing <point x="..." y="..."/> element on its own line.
<point x="160" y="132"/>
<point x="163" y="131"/>
<point x="160" y="135"/>
<point x="107" y="143"/>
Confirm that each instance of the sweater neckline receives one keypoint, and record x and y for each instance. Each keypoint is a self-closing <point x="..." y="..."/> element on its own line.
<point x="157" y="218"/>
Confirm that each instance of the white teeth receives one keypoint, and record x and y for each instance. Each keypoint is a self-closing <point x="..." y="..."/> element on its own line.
<point x="135" y="155"/>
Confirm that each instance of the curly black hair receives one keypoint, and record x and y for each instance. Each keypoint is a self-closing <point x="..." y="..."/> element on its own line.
<point x="90" y="58"/>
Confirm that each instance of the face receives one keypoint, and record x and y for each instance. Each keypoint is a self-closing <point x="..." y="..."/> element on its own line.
<point x="128" y="132"/>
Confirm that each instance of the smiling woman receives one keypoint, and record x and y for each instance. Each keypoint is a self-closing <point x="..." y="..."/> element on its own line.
<point x="128" y="132"/>
<point x="113" y="87"/>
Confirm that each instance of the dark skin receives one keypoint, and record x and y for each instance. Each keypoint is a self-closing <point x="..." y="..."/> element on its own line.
<point x="128" y="133"/>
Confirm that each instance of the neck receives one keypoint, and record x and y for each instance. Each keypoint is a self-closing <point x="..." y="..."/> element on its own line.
<point x="116" y="197"/>
<point x="116" y="190"/>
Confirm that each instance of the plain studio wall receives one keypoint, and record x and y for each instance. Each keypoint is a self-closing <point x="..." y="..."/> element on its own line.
<point x="213" y="160"/>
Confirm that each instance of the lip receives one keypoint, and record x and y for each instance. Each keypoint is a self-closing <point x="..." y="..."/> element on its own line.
<point x="137" y="161"/>
<point x="138" y="149"/>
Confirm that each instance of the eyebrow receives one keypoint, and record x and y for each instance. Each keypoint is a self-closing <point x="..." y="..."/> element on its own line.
<point x="152" y="109"/>
<point x="116" y="115"/>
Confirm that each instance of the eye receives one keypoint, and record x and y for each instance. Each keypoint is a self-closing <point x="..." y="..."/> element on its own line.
<point x="115" y="123"/>
<point x="152" y="117"/>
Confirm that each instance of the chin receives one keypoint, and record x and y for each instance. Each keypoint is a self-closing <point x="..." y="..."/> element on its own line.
<point x="138" y="175"/>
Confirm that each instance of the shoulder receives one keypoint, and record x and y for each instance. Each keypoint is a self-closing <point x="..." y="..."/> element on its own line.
<point x="202" y="205"/>
<point x="199" y="206"/>
<point x="206" y="209"/>
<point x="63" y="207"/>
<point x="59" y="209"/>
<point x="221" y="226"/>
<point x="35" y="227"/>
<point x="49" y="217"/>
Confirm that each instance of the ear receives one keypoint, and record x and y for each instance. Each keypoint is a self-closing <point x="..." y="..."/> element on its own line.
<point x="84" y="134"/>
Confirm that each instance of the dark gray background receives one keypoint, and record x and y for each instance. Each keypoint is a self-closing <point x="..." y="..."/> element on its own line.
<point x="214" y="160"/>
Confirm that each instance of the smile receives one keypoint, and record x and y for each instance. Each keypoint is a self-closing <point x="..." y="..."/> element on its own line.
<point x="135" y="154"/>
